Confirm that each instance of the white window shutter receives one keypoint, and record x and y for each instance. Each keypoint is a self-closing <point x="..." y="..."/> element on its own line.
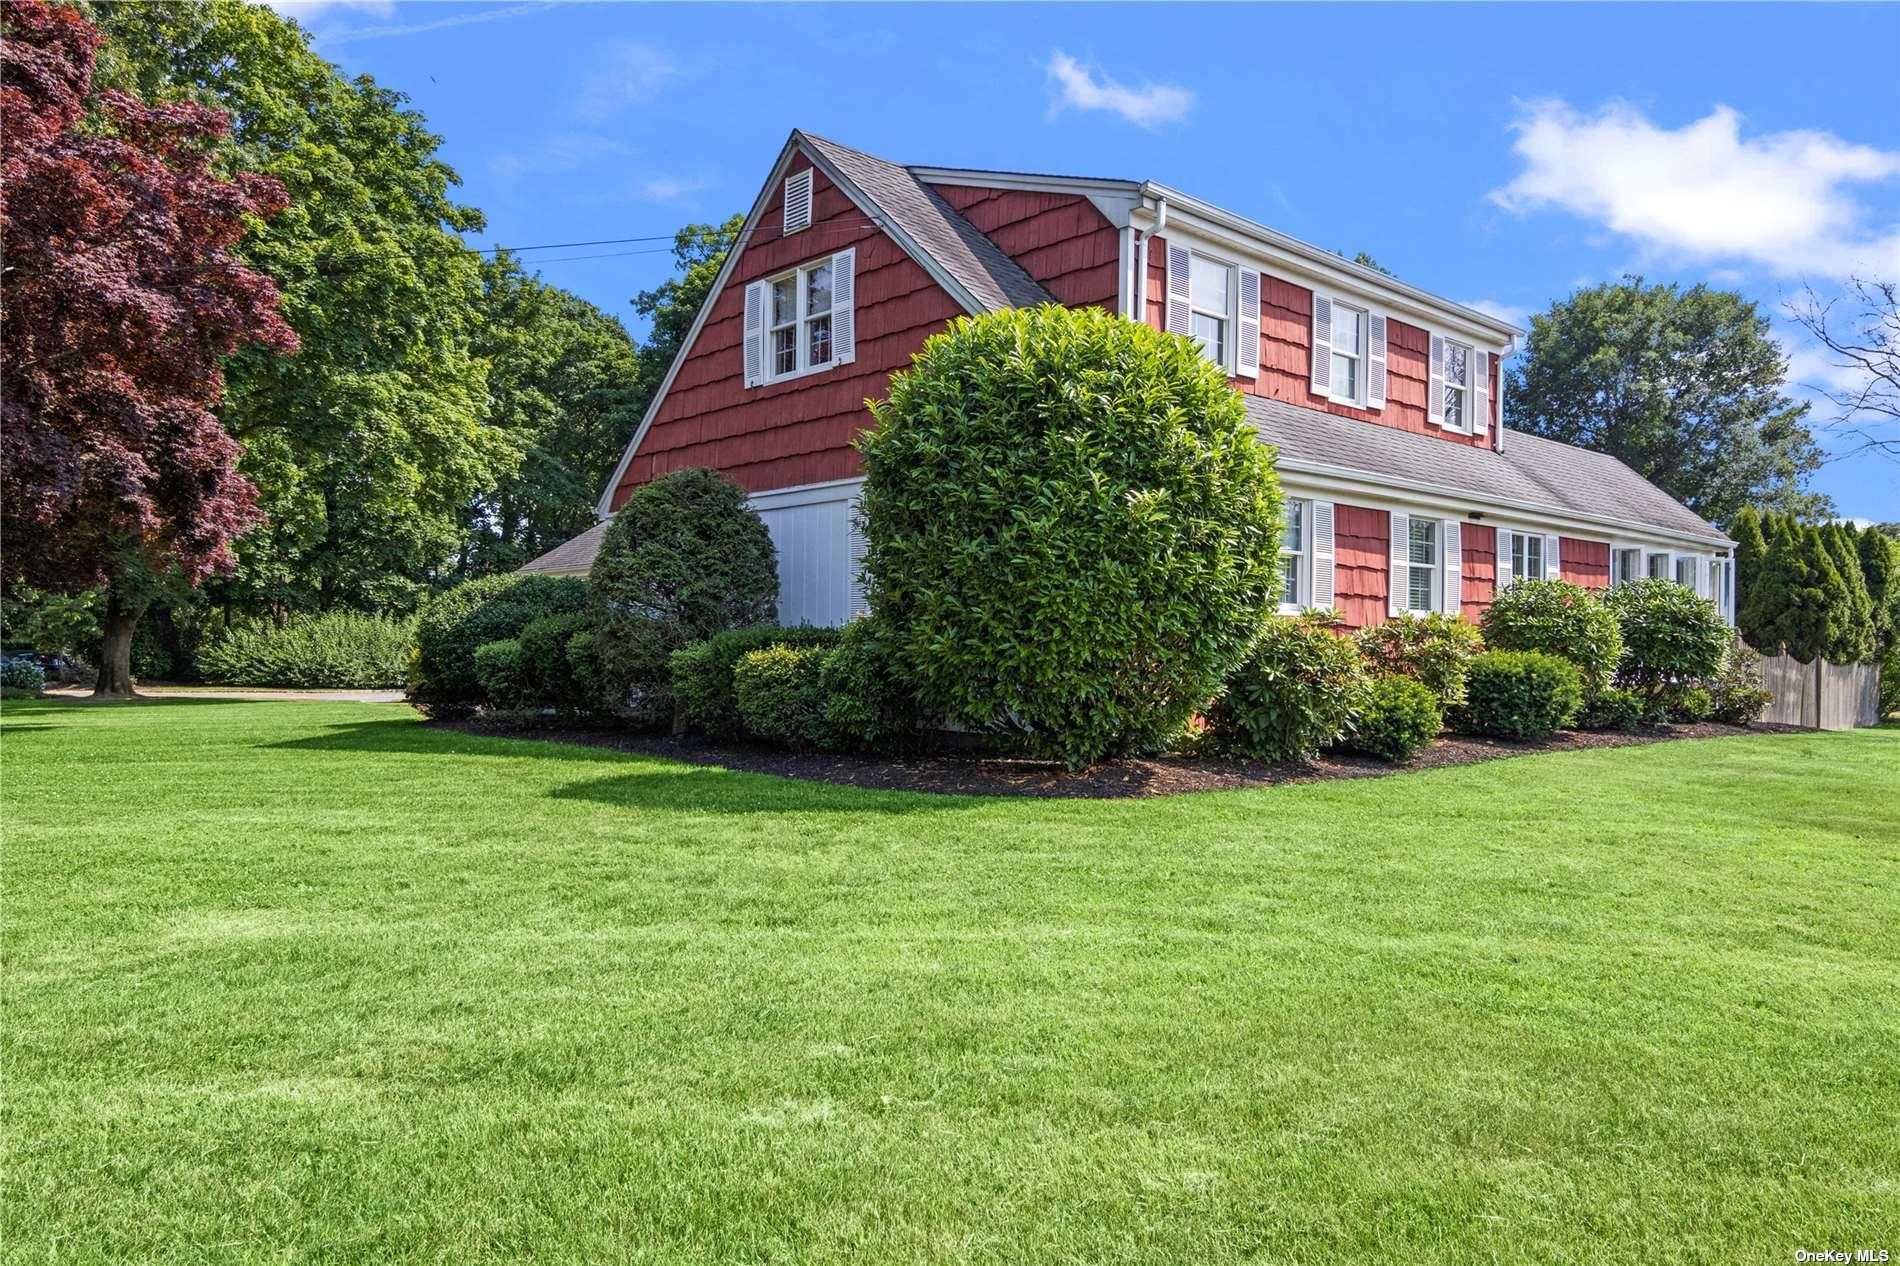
<point x="1247" y="363"/>
<point x="1435" y="384"/>
<point x="1375" y="360"/>
<point x="1401" y="556"/>
<point x="798" y="201"/>
<point x="1553" y="565"/>
<point x="859" y="603"/>
<point x="1180" y="283"/>
<point x="844" y="302"/>
<point x="1504" y="557"/>
<point x="754" y="333"/>
<point x="1453" y="556"/>
<point x="1322" y="344"/>
<point x="1480" y="393"/>
<point x="1322" y="589"/>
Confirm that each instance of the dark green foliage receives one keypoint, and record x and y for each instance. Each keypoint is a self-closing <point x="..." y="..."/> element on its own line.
<point x="1520" y="694"/>
<point x="685" y="558"/>
<point x="1800" y="604"/>
<point x="1687" y="387"/>
<point x="1856" y="639"/>
<point x="699" y="251"/>
<point x="1073" y="532"/>
<point x="781" y="695"/>
<point x="1688" y="704"/>
<point x="341" y="650"/>
<point x="1557" y="618"/>
<point x="866" y="704"/>
<point x="443" y="682"/>
<point x="705" y="700"/>
<point x="548" y="670"/>
<point x="1890" y="680"/>
<point x="1612" y="708"/>
<point x="21" y="678"/>
<point x="1670" y="634"/>
<point x="498" y="667"/>
<point x="1400" y="718"/>
<point x="1736" y="696"/>
<point x="1433" y="649"/>
<point x="1880" y="569"/>
<point x="1751" y="554"/>
<point x="1300" y="688"/>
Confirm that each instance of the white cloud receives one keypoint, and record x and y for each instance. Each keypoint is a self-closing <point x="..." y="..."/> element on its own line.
<point x="1518" y="316"/>
<point x="328" y="35"/>
<point x="660" y="187"/>
<point x="1705" y="192"/>
<point x="629" y="73"/>
<point x="311" y="8"/>
<point x="1082" y="87"/>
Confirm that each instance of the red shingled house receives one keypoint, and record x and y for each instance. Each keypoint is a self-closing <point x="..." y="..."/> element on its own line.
<point x="1405" y="491"/>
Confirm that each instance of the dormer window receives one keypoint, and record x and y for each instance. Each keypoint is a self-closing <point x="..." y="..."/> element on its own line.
<point x="1457" y="386"/>
<point x="1349" y="344"/>
<point x="1210" y="299"/>
<point x="801" y="321"/>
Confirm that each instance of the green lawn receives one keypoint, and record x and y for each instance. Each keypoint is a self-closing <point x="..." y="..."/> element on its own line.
<point x="314" y="982"/>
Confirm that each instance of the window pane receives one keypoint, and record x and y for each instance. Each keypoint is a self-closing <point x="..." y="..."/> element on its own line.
<point x="1295" y="527"/>
<point x="1457" y="365"/>
<point x="785" y="350"/>
<point x="1211" y="334"/>
<point x="1345" y="376"/>
<point x="1424" y="541"/>
<point x="1659" y="566"/>
<point x="784" y="301"/>
<point x="818" y="341"/>
<point x="818" y="290"/>
<point x="1533" y="556"/>
<point x="1420" y="597"/>
<point x="1290" y="579"/>
<point x="1454" y="407"/>
<point x="1207" y="283"/>
<point x="1685" y="572"/>
<point x="1346" y="330"/>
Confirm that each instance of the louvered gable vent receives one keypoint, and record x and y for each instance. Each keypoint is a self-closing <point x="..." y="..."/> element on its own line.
<point x="798" y="201"/>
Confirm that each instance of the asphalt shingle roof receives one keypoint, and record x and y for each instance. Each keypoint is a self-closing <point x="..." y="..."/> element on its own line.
<point x="576" y="555"/>
<point x="1532" y="472"/>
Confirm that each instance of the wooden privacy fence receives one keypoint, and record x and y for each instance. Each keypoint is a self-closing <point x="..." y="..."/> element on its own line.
<point x="1821" y="696"/>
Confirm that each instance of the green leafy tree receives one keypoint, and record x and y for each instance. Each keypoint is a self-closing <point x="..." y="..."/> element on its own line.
<point x="563" y="390"/>
<point x="369" y="446"/>
<point x="1798" y="603"/>
<point x="1684" y="386"/>
<point x="699" y="252"/>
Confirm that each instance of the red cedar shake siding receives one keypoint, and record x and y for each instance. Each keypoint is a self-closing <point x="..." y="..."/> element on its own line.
<point x="797" y="432"/>
<point x="1286" y="359"/>
<point x="1585" y="563"/>
<point x="1478" y="546"/>
<point x="1059" y="239"/>
<point x="1361" y="558"/>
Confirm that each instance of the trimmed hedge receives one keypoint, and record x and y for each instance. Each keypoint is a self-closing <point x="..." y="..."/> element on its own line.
<point x="781" y="695"/>
<point x="1557" y="618"/>
<point x="1520" y="694"/>
<point x="498" y="668"/>
<point x="471" y="615"/>
<point x="1611" y="709"/>
<point x="1432" y="649"/>
<point x="340" y="650"/>
<point x="866" y="704"/>
<point x="1072" y="530"/>
<point x="1296" y="693"/>
<point x="705" y="698"/>
<point x="1399" y="719"/>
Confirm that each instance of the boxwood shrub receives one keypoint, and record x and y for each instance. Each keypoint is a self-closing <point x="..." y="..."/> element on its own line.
<point x="1611" y="708"/>
<point x="1398" y="720"/>
<point x="705" y="698"/>
<point x="456" y="624"/>
<point x="1072" y="530"/>
<point x="1520" y="694"/>
<point x="1296" y="693"/>
<point x="1557" y="618"/>
<point x="781" y="695"/>
<point x="866" y="702"/>
<point x="344" y="650"/>
<point x="499" y="670"/>
<point x="1433" y="649"/>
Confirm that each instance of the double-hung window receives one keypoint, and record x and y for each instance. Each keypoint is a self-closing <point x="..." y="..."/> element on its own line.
<point x="1211" y="307"/>
<point x="1421" y="571"/>
<point x="798" y="333"/>
<point x="1685" y="572"/>
<point x="1658" y="566"/>
<point x="1458" y="407"/>
<point x="1348" y="340"/>
<point x="1629" y="565"/>
<point x="1527" y="548"/>
<point x="1294" y="552"/>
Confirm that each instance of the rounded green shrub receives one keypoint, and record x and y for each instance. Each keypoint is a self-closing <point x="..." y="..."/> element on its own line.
<point x="866" y="703"/>
<point x="1688" y="704"/>
<point x="1520" y="694"/>
<point x="1736" y="694"/>
<point x="548" y="672"/>
<point x="21" y="678"/>
<point x="341" y="650"/>
<point x="1399" y="719"/>
<point x="1296" y="693"/>
<point x="1670" y="634"/>
<point x="1073" y="533"/>
<point x="454" y="625"/>
<point x="498" y="667"/>
<point x="1557" y="618"/>
<point x="1611" y="708"/>
<point x="683" y="559"/>
<point x="781" y="695"/>
<point x="705" y="698"/>
<point x="1432" y="649"/>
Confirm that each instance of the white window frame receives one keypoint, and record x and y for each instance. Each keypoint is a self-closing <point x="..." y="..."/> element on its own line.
<point x="1695" y="570"/>
<point x="1361" y="359"/>
<point x="1649" y="565"/>
<point x="801" y="319"/>
<point x="1521" y="545"/>
<point x="1229" y="345"/>
<point x="1436" y="567"/>
<point x="1301" y="595"/>
<point x="1617" y="554"/>
<point x="1469" y="399"/>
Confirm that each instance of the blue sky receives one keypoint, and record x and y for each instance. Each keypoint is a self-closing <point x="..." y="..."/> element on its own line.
<point x="1500" y="155"/>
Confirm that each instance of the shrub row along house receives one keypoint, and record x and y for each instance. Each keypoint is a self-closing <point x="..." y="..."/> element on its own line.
<point x="1405" y="492"/>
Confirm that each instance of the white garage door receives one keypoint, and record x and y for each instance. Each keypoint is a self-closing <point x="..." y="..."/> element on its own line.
<point x="815" y="556"/>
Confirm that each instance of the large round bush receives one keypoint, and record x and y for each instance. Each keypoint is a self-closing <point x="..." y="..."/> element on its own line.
<point x="1557" y="618"/>
<point x="1670" y="634"/>
<point x="684" y="559"/>
<point x="1073" y="533"/>
<point x="1520" y="694"/>
<point x="1299" y="691"/>
<point x="1401" y="717"/>
<point x="456" y="624"/>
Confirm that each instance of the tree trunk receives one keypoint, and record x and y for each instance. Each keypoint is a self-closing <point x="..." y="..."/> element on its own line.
<point x="115" y="651"/>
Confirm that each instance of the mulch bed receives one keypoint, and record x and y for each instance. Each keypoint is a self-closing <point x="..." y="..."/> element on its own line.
<point x="978" y="774"/>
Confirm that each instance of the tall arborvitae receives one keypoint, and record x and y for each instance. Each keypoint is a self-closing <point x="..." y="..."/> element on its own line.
<point x="1855" y="640"/>
<point x="1799" y="599"/>
<point x="1751" y="550"/>
<point x="1880" y="568"/>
